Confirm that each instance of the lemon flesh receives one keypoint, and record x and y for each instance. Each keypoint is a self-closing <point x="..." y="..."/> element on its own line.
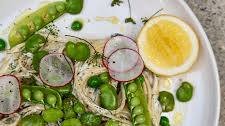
<point x="167" y="45"/>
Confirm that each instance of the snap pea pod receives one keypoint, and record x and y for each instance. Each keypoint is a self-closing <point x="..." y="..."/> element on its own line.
<point x="137" y="102"/>
<point x="27" y="26"/>
<point x="24" y="28"/>
<point x="39" y="94"/>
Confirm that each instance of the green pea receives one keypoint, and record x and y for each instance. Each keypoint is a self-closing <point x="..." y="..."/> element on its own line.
<point x="135" y="101"/>
<point x="166" y="100"/>
<point x="76" y="26"/>
<point x="130" y="95"/>
<point x="137" y="110"/>
<point x="74" y="6"/>
<point x="79" y="108"/>
<point x="2" y="44"/>
<point x="38" y="95"/>
<point x="69" y="113"/>
<point x="71" y="122"/>
<point x="77" y="51"/>
<point x="112" y="123"/>
<point x="164" y="121"/>
<point x="185" y="92"/>
<point x="38" y="22"/>
<point x="60" y="7"/>
<point x="132" y="87"/>
<point x="90" y="119"/>
<point x="108" y="97"/>
<point x="37" y="59"/>
<point x="34" y="43"/>
<point x="105" y="78"/>
<point x="51" y="99"/>
<point x="94" y="81"/>
<point x="26" y="94"/>
<point x="52" y="115"/>
<point x="32" y="120"/>
<point x="139" y="119"/>
<point x="52" y="10"/>
<point x="24" y="31"/>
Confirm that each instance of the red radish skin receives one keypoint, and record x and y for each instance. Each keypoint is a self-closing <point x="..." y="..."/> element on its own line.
<point x="107" y="51"/>
<point x="19" y="94"/>
<point x="138" y="70"/>
<point x="123" y="54"/>
<point x="71" y="67"/>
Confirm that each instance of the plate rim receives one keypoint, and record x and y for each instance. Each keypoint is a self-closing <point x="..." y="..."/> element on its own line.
<point x="211" y="55"/>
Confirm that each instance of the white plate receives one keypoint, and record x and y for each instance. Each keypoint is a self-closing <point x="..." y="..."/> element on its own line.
<point x="203" y="110"/>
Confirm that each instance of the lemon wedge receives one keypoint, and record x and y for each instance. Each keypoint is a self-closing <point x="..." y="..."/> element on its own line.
<point x="168" y="45"/>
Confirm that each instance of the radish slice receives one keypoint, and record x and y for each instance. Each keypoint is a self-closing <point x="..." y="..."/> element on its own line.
<point x="130" y="74"/>
<point x="10" y="97"/>
<point x="56" y="70"/>
<point x="122" y="60"/>
<point x="115" y="43"/>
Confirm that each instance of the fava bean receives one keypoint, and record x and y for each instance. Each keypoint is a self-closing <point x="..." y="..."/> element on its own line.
<point x="108" y="97"/>
<point x="105" y="78"/>
<point x="166" y="100"/>
<point x="185" y="92"/>
<point x="74" y="6"/>
<point x="77" y="51"/>
<point x="90" y="119"/>
<point x="71" y="122"/>
<point x="32" y="120"/>
<point x="52" y="115"/>
<point x="34" y="43"/>
<point x="112" y="123"/>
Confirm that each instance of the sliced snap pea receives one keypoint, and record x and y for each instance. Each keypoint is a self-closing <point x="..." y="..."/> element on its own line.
<point x="52" y="115"/>
<point x="34" y="119"/>
<point x="90" y="119"/>
<point x="37" y="59"/>
<point x="78" y="108"/>
<point x="71" y="122"/>
<point x="108" y="97"/>
<point x="137" y="103"/>
<point x="77" y="25"/>
<point x="166" y="100"/>
<point x="164" y="121"/>
<point x="185" y="92"/>
<point x="40" y="18"/>
<point x="34" y="43"/>
<point x="112" y="123"/>
<point x="26" y="93"/>
<point x="74" y="6"/>
<point x="44" y="95"/>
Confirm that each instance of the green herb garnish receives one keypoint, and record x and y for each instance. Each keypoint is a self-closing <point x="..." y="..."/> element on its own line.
<point x="116" y="2"/>
<point x="130" y="20"/>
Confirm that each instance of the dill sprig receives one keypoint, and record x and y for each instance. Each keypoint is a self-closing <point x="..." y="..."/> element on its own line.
<point x="116" y="3"/>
